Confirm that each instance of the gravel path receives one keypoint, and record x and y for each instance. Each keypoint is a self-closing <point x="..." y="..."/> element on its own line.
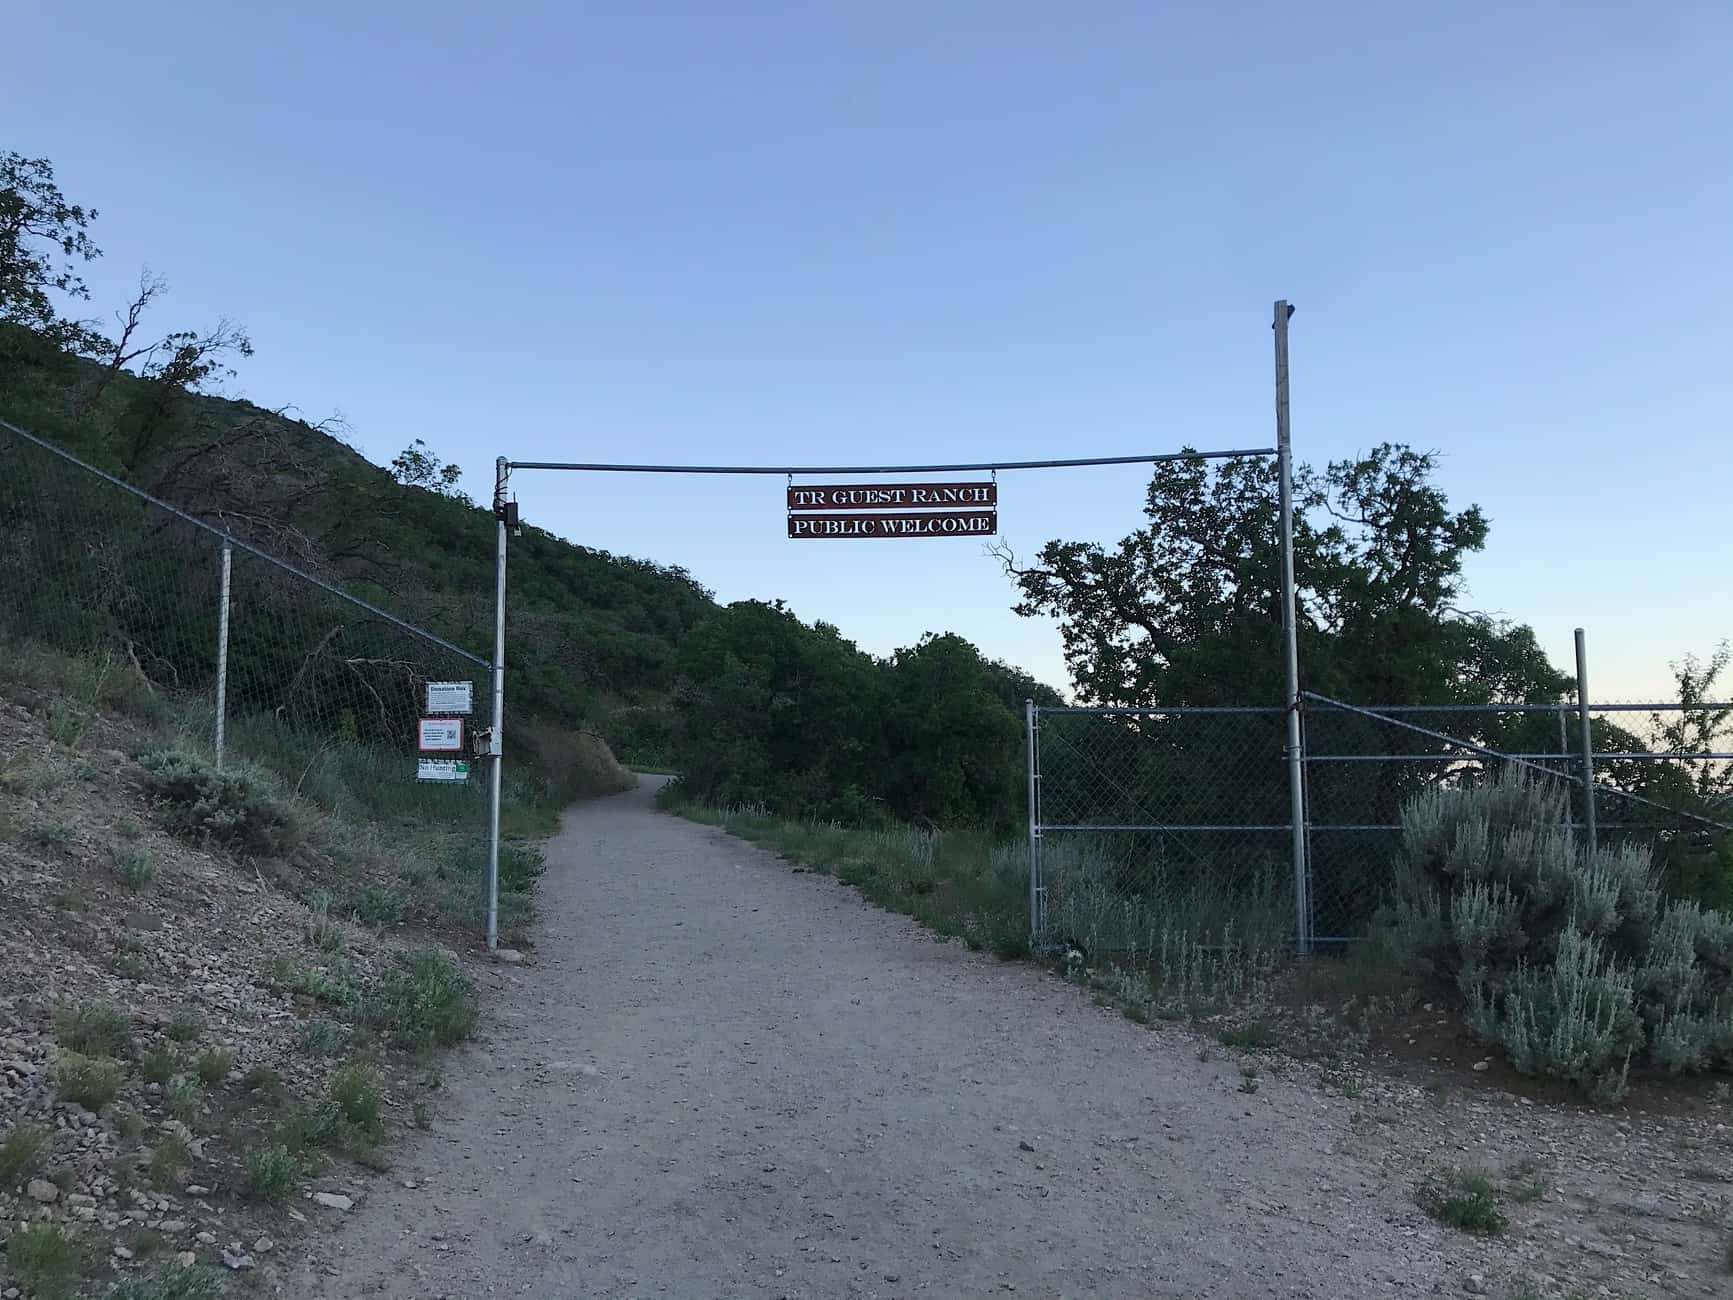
<point x="722" y="1078"/>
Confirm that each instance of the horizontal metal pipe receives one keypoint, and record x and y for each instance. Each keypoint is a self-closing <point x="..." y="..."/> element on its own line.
<point x="981" y="466"/>
<point x="1600" y="756"/>
<point x="251" y="550"/>
<point x="1284" y="827"/>
<point x="1482" y="750"/>
<point x="1663" y="707"/>
<point x="1154" y="711"/>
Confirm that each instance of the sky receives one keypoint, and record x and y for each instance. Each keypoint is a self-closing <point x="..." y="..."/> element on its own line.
<point x="774" y="233"/>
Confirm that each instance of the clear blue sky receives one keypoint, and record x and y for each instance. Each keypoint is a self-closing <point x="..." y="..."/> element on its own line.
<point x="759" y="232"/>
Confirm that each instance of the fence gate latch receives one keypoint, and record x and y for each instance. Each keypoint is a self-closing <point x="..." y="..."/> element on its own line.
<point x="487" y="743"/>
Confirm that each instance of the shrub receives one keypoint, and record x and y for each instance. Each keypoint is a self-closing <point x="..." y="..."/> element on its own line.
<point x="262" y="1078"/>
<point x="176" y="1282"/>
<point x="183" y="1098"/>
<point x="45" y="1260"/>
<point x="358" y="1092"/>
<point x="93" y="1029"/>
<point x="423" y="999"/>
<point x="232" y="807"/>
<point x="20" y="1152"/>
<point x="325" y="934"/>
<point x="323" y="1037"/>
<point x="186" y="1026"/>
<point x="1563" y="954"/>
<point x="310" y="981"/>
<point x="169" y="1158"/>
<point x="53" y="835"/>
<point x="91" y="1081"/>
<point x="272" y="1174"/>
<point x="214" y="1065"/>
<point x="134" y="867"/>
<point x="376" y="907"/>
<point x="307" y="1128"/>
<point x="1464" y="1199"/>
<point x="159" y="1065"/>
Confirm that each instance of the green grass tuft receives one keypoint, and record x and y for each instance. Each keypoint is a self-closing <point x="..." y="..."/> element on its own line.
<point x="159" y="1065"/>
<point x="93" y="1029"/>
<point x="176" y="1282"/>
<point x="273" y="1174"/>
<point x="134" y="866"/>
<point x="182" y="1098"/>
<point x="91" y="1081"/>
<point x="1465" y="1199"/>
<point x="186" y="1026"/>
<point x="424" y="998"/>
<point x="169" y="1158"/>
<point x="214" y="1065"/>
<point x="46" y="1260"/>
<point x="324" y="1037"/>
<point x="21" y="1152"/>
<point x="359" y="1094"/>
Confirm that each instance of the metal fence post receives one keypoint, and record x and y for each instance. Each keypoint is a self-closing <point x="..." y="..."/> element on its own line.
<point x="1034" y="828"/>
<point x="1291" y="641"/>
<point x="1588" y="744"/>
<point x="496" y="735"/>
<point x="223" y="653"/>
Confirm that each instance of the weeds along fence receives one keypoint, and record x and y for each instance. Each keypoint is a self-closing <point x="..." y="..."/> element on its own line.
<point x="248" y="659"/>
<point x="1155" y="826"/>
<point x="1147" y="824"/>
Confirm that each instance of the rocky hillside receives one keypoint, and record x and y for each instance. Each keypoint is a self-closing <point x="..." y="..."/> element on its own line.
<point x="217" y="1009"/>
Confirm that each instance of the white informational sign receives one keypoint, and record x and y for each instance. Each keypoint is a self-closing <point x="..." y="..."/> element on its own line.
<point x="451" y="697"/>
<point x="441" y="736"/>
<point x="441" y="769"/>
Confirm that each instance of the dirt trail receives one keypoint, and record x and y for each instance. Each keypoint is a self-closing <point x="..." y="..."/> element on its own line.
<point x="721" y="1078"/>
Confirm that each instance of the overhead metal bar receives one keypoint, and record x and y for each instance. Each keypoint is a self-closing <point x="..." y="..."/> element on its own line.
<point x="979" y="466"/>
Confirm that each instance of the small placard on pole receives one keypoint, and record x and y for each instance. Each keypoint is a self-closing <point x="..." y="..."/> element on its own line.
<point x="451" y="697"/>
<point x="440" y="736"/>
<point x="441" y="769"/>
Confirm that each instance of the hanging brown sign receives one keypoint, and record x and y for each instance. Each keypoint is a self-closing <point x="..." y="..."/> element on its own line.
<point x="894" y="496"/>
<point x="933" y="523"/>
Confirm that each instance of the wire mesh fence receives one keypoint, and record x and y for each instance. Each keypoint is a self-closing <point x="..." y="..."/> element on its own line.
<point x="1364" y="763"/>
<point x="289" y="674"/>
<point x="1153" y="823"/>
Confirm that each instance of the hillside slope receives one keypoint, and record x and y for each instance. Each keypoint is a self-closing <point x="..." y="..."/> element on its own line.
<point x="587" y="626"/>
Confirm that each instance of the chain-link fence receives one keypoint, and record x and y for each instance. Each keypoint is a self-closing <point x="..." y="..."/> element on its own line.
<point x="233" y="653"/>
<point x="1152" y="823"/>
<point x="1364" y="763"/>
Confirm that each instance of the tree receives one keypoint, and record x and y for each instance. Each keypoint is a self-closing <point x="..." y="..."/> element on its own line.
<point x="1187" y="610"/>
<point x="43" y="238"/>
<point x="417" y="465"/>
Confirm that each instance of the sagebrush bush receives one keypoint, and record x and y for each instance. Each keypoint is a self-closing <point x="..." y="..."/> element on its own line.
<point x="1565" y="955"/>
<point x="91" y="1081"/>
<point x="232" y="807"/>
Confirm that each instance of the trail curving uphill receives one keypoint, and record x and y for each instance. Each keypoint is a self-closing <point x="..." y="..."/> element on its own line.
<point x="721" y="1078"/>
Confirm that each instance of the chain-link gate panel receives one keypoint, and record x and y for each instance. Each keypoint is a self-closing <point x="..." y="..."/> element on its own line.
<point x="1152" y="825"/>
